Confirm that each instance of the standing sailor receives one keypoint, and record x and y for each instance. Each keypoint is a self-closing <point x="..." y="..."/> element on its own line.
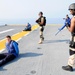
<point x="71" y="60"/>
<point x="42" y="22"/>
<point x="67" y="19"/>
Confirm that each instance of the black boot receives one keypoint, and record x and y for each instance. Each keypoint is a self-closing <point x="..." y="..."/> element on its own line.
<point x="67" y="68"/>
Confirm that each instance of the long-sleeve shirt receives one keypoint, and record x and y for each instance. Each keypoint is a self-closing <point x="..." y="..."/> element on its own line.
<point x="12" y="48"/>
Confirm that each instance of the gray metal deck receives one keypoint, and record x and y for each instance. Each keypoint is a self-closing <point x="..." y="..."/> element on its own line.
<point x="44" y="59"/>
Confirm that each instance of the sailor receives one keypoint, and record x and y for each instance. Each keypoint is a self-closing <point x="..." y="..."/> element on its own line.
<point x="42" y="22"/>
<point x="27" y="27"/>
<point x="13" y="51"/>
<point x="67" y="19"/>
<point x="71" y="28"/>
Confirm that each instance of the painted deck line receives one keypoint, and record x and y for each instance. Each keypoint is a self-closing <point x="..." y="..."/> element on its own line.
<point x="6" y="31"/>
<point x="16" y="37"/>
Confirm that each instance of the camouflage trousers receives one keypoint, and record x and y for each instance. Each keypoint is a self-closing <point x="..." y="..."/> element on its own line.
<point x="71" y="60"/>
<point x="41" y="32"/>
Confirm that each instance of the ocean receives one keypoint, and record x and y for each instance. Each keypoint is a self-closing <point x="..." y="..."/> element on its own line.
<point x="31" y="21"/>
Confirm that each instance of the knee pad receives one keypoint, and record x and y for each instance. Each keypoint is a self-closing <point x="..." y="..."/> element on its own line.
<point x="42" y="29"/>
<point x="71" y="52"/>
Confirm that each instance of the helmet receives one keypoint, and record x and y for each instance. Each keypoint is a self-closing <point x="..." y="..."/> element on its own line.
<point x="72" y="6"/>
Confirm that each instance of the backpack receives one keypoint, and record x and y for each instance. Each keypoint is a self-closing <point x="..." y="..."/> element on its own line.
<point x="39" y="20"/>
<point x="44" y="21"/>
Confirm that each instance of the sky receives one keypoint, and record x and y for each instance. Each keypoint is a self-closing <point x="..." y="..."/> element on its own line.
<point x="24" y="9"/>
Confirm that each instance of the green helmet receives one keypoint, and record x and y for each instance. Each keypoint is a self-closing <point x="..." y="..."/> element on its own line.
<point x="72" y="6"/>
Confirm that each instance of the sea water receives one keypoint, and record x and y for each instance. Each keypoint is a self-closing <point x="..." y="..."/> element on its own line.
<point x="31" y="21"/>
